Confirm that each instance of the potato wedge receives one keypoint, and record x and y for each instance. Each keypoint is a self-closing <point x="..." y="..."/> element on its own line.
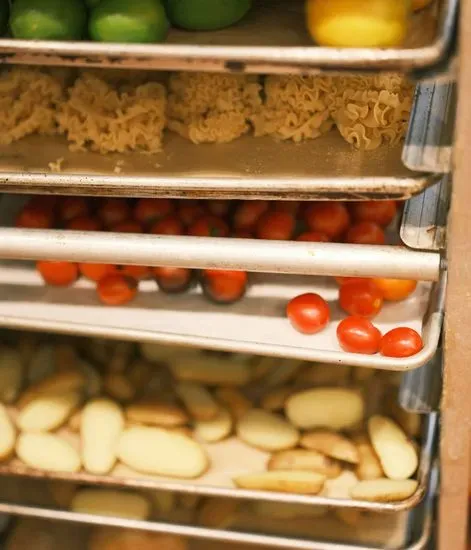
<point x="319" y="374"/>
<point x="340" y="486"/>
<point x="333" y="408"/>
<point x="303" y="460"/>
<point x="216" y="429"/>
<point x="119" y="387"/>
<point x="159" y="452"/>
<point x="198" y="401"/>
<point x="307" y="483"/>
<point x="107" y="502"/>
<point x="396" y="453"/>
<point x="46" y="413"/>
<point x="45" y="451"/>
<point x="331" y="444"/>
<point x="267" y="431"/>
<point x="102" y="422"/>
<point x="7" y="434"/>
<point x="384" y="490"/>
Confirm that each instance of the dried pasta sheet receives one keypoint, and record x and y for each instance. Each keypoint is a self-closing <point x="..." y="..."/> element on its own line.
<point x="372" y="110"/>
<point x="295" y="108"/>
<point x="212" y="108"/>
<point x="28" y="100"/>
<point x="106" y="116"/>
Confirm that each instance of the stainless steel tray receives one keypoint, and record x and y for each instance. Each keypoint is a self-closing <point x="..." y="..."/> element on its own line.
<point x="228" y="459"/>
<point x="262" y="168"/>
<point x="272" y="39"/>
<point x="406" y="531"/>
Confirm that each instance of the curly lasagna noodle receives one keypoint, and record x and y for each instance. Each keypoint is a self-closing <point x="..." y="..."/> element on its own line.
<point x="28" y="100"/>
<point x="295" y="108"/>
<point x="212" y="108"/>
<point x="372" y="110"/>
<point x="107" y="118"/>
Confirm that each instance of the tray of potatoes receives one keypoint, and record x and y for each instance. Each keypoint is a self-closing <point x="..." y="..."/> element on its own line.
<point x="207" y="423"/>
<point x="159" y="516"/>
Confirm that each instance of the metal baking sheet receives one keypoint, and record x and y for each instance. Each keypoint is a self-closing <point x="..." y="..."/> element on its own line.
<point x="271" y="39"/>
<point x="249" y="167"/>
<point x="229" y="459"/>
<point x="405" y="531"/>
<point x="424" y="221"/>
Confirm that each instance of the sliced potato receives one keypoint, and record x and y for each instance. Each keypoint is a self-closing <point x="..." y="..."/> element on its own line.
<point x="155" y="413"/>
<point x="119" y="387"/>
<point x="211" y="371"/>
<point x="198" y="401"/>
<point x="308" y="483"/>
<point x="57" y="383"/>
<point x="140" y="373"/>
<point x="46" y="413"/>
<point x="334" y="408"/>
<point x="159" y="452"/>
<point x="384" y="490"/>
<point x="267" y="431"/>
<point x="303" y="460"/>
<point x="11" y="374"/>
<point x="331" y="444"/>
<point x="102" y="422"/>
<point x="122" y="354"/>
<point x="75" y="421"/>
<point x="275" y="400"/>
<point x="396" y="453"/>
<point x="107" y="502"/>
<point x="65" y="357"/>
<point x="164" y="501"/>
<point x="41" y="364"/>
<point x="7" y="434"/>
<point x="216" y="429"/>
<point x="218" y="513"/>
<point x="369" y="466"/>
<point x="46" y="451"/>
<point x="234" y="400"/>
<point x="319" y="374"/>
<point x="341" y="486"/>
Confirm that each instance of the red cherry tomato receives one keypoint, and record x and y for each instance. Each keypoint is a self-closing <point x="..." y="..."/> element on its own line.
<point x="242" y="234"/>
<point x="292" y="207"/>
<point x="380" y="212"/>
<point x="360" y="298"/>
<point x="209" y="226"/>
<point x="365" y="233"/>
<point x="248" y="213"/>
<point x="401" y="342"/>
<point x="173" y="280"/>
<point x="344" y="280"/>
<point x="170" y="225"/>
<point x="137" y="272"/>
<point x="277" y="226"/>
<point x="149" y="211"/>
<point x="115" y="290"/>
<point x="189" y="211"/>
<point x="331" y="218"/>
<point x="313" y="237"/>
<point x="84" y="223"/>
<point x="72" y="207"/>
<point x="34" y="217"/>
<point x="224" y="286"/>
<point x="358" y="335"/>
<point x="96" y="272"/>
<point x="114" y="211"/>
<point x="308" y="313"/>
<point x="57" y="273"/>
<point x="128" y="226"/>
<point x="219" y="207"/>
<point x="395" y="290"/>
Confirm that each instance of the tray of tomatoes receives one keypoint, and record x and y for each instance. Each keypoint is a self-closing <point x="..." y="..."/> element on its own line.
<point x="385" y="323"/>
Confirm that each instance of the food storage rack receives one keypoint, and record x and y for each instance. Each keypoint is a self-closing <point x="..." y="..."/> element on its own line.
<point x="432" y="170"/>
